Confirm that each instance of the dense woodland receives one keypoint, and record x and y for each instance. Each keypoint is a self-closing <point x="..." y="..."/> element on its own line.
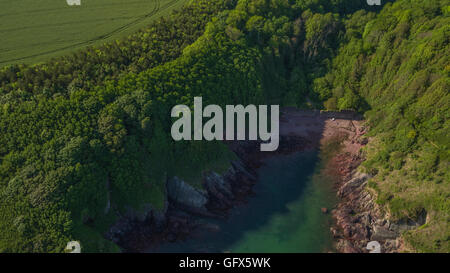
<point x="84" y="129"/>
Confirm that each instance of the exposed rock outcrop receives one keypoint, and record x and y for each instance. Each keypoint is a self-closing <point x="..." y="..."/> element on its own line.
<point x="359" y="219"/>
<point x="185" y="205"/>
<point x="184" y="196"/>
<point x="299" y="131"/>
<point x="219" y="191"/>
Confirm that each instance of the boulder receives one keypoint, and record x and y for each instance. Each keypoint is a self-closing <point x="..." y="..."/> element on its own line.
<point x="216" y="185"/>
<point x="185" y="195"/>
<point x="354" y="183"/>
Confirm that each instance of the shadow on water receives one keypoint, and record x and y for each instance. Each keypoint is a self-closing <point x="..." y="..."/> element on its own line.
<point x="283" y="215"/>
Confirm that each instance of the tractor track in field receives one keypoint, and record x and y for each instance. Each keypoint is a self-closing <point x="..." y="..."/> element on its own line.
<point x="158" y="8"/>
<point x="67" y="23"/>
<point x="58" y="9"/>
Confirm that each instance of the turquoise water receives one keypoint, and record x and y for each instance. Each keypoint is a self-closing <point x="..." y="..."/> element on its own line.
<point x="284" y="214"/>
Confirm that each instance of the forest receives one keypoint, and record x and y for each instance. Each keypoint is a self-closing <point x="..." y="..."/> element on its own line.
<point x="93" y="127"/>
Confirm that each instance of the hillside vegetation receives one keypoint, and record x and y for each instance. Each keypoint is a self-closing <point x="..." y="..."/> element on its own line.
<point x="396" y="68"/>
<point x="98" y="120"/>
<point x="70" y="136"/>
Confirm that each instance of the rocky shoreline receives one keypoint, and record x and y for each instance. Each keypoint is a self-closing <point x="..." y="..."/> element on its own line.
<point x="187" y="209"/>
<point x="358" y="219"/>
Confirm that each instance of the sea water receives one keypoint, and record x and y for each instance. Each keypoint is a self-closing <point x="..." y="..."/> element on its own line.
<point x="283" y="215"/>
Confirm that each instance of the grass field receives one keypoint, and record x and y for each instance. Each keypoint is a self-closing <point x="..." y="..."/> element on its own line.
<point x="32" y="31"/>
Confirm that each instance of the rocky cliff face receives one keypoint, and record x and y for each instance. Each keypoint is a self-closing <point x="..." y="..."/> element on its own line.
<point x="185" y="196"/>
<point x="359" y="220"/>
<point x="184" y="207"/>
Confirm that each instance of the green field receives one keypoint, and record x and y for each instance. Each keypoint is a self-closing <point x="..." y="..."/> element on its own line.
<point x="32" y="31"/>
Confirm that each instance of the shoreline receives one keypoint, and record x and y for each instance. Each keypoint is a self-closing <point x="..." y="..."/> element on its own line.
<point x="357" y="218"/>
<point x="187" y="210"/>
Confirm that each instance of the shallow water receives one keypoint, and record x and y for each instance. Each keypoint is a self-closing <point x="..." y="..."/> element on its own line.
<point x="284" y="214"/>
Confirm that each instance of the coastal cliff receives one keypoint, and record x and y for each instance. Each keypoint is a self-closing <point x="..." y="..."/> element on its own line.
<point x="358" y="219"/>
<point x="338" y="136"/>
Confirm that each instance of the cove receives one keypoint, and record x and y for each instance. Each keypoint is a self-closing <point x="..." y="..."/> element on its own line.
<point x="283" y="215"/>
